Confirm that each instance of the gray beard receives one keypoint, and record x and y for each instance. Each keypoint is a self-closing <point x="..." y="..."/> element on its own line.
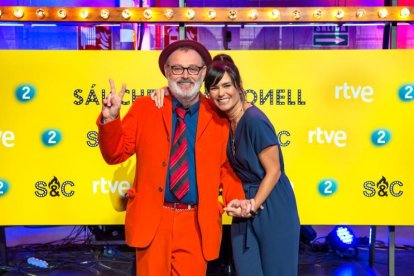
<point x="182" y="96"/>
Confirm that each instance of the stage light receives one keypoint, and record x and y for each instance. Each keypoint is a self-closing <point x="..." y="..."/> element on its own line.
<point x="382" y="13"/>
<point x="211" y="14"/>
<point x="105" y="13"/>
<point x="317" y="14"/>
<point x="232" y="14"/>
<point x="275" y="13"/>
<point x="339" y="14"/>
<point x="62" y="13"/>
<point x="126" y="14"/>
<point x="296" y="14"/>
<point x="40" y="13"/>
<point x="169" y="13"/>
<point x="405" y="12"/>
<point x="148" y="14"/>
<point x="84" y="14"/>
<point x="253" y="14"/>
<point x="190" y="14"/>
<point x="18" y="13"/>
<point x="360" y="13"/>
<point x="341" y="238"/>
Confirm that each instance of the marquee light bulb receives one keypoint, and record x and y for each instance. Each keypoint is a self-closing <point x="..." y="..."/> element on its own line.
<point x="126" y="14"/>
<point x="382" y="13"/>
<point x="296" y="14"/>
<point x="18" y="13"/>
<point x="105" y="13"/>
<point x="360" y="13"/>
<point x="62" y="13"/>
<point x="275" y="13"/>
<point x="211" y="14"/>
<point x="317" y="13"/>
<point x="84" y="14"/>
<point x="169" y="13"/>
<point x="148" y="13"/>
<point x="232" y="14"/>
<point x="40" y="13"/>
<point x="339" y="14"/>
<point x="253" y="14"/>
<point x="190" y="14"/>
<point x="0" y="13"/>
<point x="405" y="12"/>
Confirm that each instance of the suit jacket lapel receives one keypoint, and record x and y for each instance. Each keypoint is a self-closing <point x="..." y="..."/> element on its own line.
<point x="204" y="116"/>
<point x="167" y="115"/>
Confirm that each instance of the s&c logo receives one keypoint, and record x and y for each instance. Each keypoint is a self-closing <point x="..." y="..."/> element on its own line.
<point x="54" y="188"/>
<point x="381" y="188"/>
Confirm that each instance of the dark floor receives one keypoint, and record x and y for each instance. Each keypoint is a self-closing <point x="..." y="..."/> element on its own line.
<point x="81" y="253"/>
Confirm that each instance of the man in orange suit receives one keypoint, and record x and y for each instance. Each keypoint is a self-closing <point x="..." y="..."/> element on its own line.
<point x="173" y="214"/>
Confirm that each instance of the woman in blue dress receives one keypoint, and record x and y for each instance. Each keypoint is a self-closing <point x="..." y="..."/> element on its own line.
<point x="265" y="239"/>
<point x="265" y="229"/>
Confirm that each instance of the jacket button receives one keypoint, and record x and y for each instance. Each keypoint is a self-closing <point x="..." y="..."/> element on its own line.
<point x="160" y="189"/>
<point x="164" y="164"/>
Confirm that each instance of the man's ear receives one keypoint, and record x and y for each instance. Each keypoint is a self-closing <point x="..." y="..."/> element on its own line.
<point x="204" y="72"/>
<point x="165" y="70"/>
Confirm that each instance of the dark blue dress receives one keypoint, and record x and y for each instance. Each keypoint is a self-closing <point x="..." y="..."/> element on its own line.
<point x="269" y="243"/>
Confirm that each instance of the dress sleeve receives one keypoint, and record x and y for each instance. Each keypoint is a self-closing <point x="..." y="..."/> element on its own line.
<point x="262" y="133"/>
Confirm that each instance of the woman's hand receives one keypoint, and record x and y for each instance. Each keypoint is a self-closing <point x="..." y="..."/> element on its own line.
<point x="239" y="208"/>
<point x="233" y="208"/>
<point x="158" y="96"/>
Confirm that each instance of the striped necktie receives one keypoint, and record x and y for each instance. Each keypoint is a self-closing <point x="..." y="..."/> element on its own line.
<point x="179" y="183"/>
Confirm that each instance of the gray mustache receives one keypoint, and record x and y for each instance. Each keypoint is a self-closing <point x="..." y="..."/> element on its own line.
<point x="185" y="81"/>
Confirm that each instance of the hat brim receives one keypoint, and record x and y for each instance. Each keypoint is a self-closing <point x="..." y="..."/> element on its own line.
<point x="198" y="47"/>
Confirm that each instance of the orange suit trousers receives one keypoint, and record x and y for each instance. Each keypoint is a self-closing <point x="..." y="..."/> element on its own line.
<point x="176" y="247"/>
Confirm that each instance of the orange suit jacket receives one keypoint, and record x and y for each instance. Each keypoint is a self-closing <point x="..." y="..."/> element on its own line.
<point x="146" y="132"/>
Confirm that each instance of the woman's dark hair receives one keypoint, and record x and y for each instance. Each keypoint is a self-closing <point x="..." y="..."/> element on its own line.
<point x="223" y="57"/>
<point x="222" y="64"/>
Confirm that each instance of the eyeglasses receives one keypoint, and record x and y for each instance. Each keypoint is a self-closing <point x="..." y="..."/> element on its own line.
<point x="191" y="70"/>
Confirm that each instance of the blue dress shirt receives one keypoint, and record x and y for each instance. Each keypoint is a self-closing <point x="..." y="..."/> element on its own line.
<point x="191" y="119"/>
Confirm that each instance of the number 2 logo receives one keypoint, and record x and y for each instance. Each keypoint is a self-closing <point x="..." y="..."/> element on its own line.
<point x="406" y="93"/>
<point x="4" y="187"/>
<point x="25" y="92"/>
<point x="327" y="187"/>
<point x="51" y="137"/>
<point x="380" y="137"/>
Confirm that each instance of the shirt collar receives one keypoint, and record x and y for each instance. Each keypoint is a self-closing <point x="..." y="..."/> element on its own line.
<point x="192" y="109"/>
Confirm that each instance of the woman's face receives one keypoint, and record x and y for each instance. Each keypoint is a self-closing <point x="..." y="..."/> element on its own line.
<point x="224" y="94"/>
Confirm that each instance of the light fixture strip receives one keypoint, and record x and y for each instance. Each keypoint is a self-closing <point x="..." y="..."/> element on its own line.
<point x="208" y="15"/>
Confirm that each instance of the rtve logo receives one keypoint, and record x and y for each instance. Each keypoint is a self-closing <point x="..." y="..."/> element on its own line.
<point x="348" y="92"/>
<point x="7" y="138"/>
<point x="105" y="186"/>
<point x="321" y="136"/>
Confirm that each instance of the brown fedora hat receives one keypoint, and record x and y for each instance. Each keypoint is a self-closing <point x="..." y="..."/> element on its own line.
<point x="198" y="47"/>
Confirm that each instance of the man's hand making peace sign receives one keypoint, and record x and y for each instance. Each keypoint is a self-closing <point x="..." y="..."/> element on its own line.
<point x="111" y="105"/>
